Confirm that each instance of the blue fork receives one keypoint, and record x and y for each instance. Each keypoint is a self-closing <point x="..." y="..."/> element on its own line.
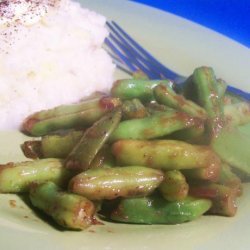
<point x="130" y="56"/>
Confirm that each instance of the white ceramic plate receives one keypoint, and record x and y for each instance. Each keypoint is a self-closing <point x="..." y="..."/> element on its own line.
<point x="181" y="45"/>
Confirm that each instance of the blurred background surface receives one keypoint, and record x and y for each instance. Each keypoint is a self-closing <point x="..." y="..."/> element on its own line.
<point x="228" y="17"/>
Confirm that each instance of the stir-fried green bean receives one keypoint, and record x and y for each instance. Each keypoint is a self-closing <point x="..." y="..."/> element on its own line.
<point x="156" y="210"/>
<point x="230" y="179"/>
<point x="142" y="89"/>
<point x="154" y="152"/>
<point x="52" y="146"/>
<point x="32" y="149"/>
<point x="155" y="107"/>
<point x="68" y="210"/>
<point x="155" y="126"/>
<point x="164" y="154"/>
<point x="165" y="95"/>
<point x="192" y="134"/>
<point x="174" y="186"/>
<point x="132" y="109"/>
<point x="103" y="158"/>
<point x="237" y="113"/>
<point x="92" y="141"/>
<point x="232" y="146"/>
<point x="227" y="177"/>
<point x="223" y="197"/>
<point x="221" y="87"/>
<point x="206" y="85"/>
<point x="210" y="173"/>
<point x="66" y="117"/>
<point x="17" y="177"/>
<point x="110" y="183"/>
<point x="67" y="109"/>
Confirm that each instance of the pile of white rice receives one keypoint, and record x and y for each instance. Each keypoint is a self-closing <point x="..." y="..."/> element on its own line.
<point x="50" y="54"/>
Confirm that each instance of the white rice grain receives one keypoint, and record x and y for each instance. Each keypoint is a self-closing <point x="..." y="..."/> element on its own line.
<point x="50" y="54"/>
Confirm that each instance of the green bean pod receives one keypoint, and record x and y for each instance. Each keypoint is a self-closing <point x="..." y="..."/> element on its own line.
<point x="67" y="109"/>
<point x="230" y="179"/>
<point x="17" y="177"/>
<point x="68" y="210"/>
<point x="237" y="114"/>
<point x="187" y="89"/>
<point x="154" y="107"/>
<point x="103" y="158"/>
<point x="32" y="149"/>
<point x="192" y="134"/>
<point x="156" y="210"/>
<point x="221" y="87"/>
<point x="174" y="186"/>
<point x="166" y="95"/>
<point x="65" y="117"/>
<point x="232" y="146"/>
<point x="92" y="141"/>
<point x="155" y="126"/>
<point x="128" y="89"/>
<point x="163" y="154"/>
<point x="110" y="183"/>
<point x="52" y="146"/>
<point x="223" y="197"/>
<point x="210" y="173"/>
<point x="206" y="85"/>
<point x="132" y="109"/>
<point x="59" y="146"/>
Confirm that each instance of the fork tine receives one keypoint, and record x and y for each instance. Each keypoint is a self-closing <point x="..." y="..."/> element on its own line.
<point x="123" y="62"/>
<point x="132" y="57"/>
<point x="167" y="73"/>
<point x="119" y="64"/>
<point x="122" y="57"/>
<point x="135" y="57"/>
